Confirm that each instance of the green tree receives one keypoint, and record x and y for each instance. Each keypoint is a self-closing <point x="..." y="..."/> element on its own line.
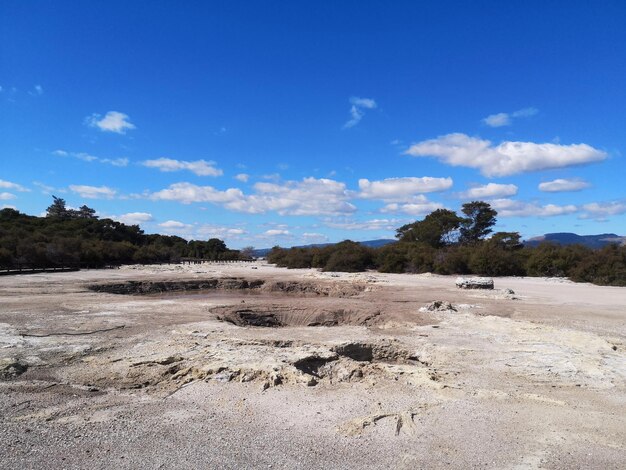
<point x="349" y="256"/>
<point x="57" y="208"/>
<point x="85" y="212"/>
<point x="480" y="217"/>
<point x="438" y="229"/>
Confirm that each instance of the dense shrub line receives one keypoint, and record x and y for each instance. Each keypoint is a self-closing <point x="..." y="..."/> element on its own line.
<point x="605" y="266"/>
<point x="80" y="239"/>
<point x="446" y="243"/>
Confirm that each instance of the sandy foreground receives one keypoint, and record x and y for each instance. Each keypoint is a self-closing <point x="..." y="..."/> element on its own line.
<point x="276" y="368"/>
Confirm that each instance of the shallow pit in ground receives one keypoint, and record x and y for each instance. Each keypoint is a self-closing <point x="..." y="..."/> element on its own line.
<point x="277" y="315"/>
<point x="301" y="288"/>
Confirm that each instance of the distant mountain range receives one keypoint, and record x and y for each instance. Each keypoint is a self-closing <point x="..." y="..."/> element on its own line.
<point x="566" y="238"/>
<point x="262" y="252"/>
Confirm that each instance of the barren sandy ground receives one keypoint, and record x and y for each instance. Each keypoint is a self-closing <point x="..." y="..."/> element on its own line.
<point x="275" y="368"/>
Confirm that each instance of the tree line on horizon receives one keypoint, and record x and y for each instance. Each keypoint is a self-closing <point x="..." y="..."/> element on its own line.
<point x="443" y="242"/>
<point x="447" y="243"/>
<point x="78" y="238"/>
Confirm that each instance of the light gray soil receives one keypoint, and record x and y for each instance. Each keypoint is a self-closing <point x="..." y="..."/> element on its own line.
<point x="240" y="366"/>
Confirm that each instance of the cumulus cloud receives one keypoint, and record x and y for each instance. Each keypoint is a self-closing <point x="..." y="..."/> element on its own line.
<point x="113" y="121"/>
<point x="174" y="224"/>
<point x="188" y="193"/>
<point x="310" y="196"/>
<point x="13" y="186"/>
<point x="121" y="162"/>
<point x="489" y="191"/>
<point x="6" y="196"/>
<point x="505" y="159"/>
<point x="199" y="167"/>
<point x="243" y="177"/>
<point x="498" y="120"/>
<point x="419" y="206"/>
<point x="506" y="119"/>
<point x="602" y="210"/>
<point x="512" y="208"/>
<point x="563" y="185"/>
<point x="373" y="224"/>
<point x="93" y="192"/>
<point x="310" y="237"/>
<point x="357" y="110"/>
<point x="217" y="231"/>
<point x="276" y="232"/>
<point x="401" y="189"/>
<point x="134" y="218"/>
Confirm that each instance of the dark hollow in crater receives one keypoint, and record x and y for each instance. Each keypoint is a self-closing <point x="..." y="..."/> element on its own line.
<point x="252" y="318"/>
<point x="280" y="315"/>
<point x="356" y="351"/>
<point x="312" y="365"/>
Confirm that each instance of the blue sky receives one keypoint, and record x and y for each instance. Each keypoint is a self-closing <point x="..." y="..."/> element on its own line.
<point x="288" y="123"/>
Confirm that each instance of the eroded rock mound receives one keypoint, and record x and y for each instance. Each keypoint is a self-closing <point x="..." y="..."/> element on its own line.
<point x="474" y="282"/>
<point x="439" y="306"/>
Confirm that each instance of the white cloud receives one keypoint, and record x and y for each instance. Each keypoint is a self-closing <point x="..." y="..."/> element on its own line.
<point x="243" y="177"/>
<point x="563" y="185"/>
<point x="601" y="210"/>
<point x="366" y="103"/>
<point x="421" y="206"/>
<point x="188" y="193"/>
<point x="276" y="232"/>
<point x="504" y="119"/>
<point x="85" y="157"/>
<point x="175" y="224"/>
<point x="310" y="196"/>
<point x="36" y="91"/>
<point x="490" y="190"/>
<point x="357" y="110"/>
<point x="45" y="189"/>
<point x="511" y="208"/>
<point x="133" y="218"/>
<point x="115" y="161"/>
<point x="498" y="120"/>
<point x="14" y="186"/>
<point x="113" y="121"/>
<point x="505" y="159"/>
<point x="199" y="167"/>
<point x="91" y="158"/>
<point x="525" y="112"/>
<point x="314" y="237"/>
<point x="93" y="192"/>
<point x="271" y="177"/>
<point x="374" y="224"/>
<point x="216" y="231"/>
<point x="6" y="196"/>
<point x="401" y="189"/>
